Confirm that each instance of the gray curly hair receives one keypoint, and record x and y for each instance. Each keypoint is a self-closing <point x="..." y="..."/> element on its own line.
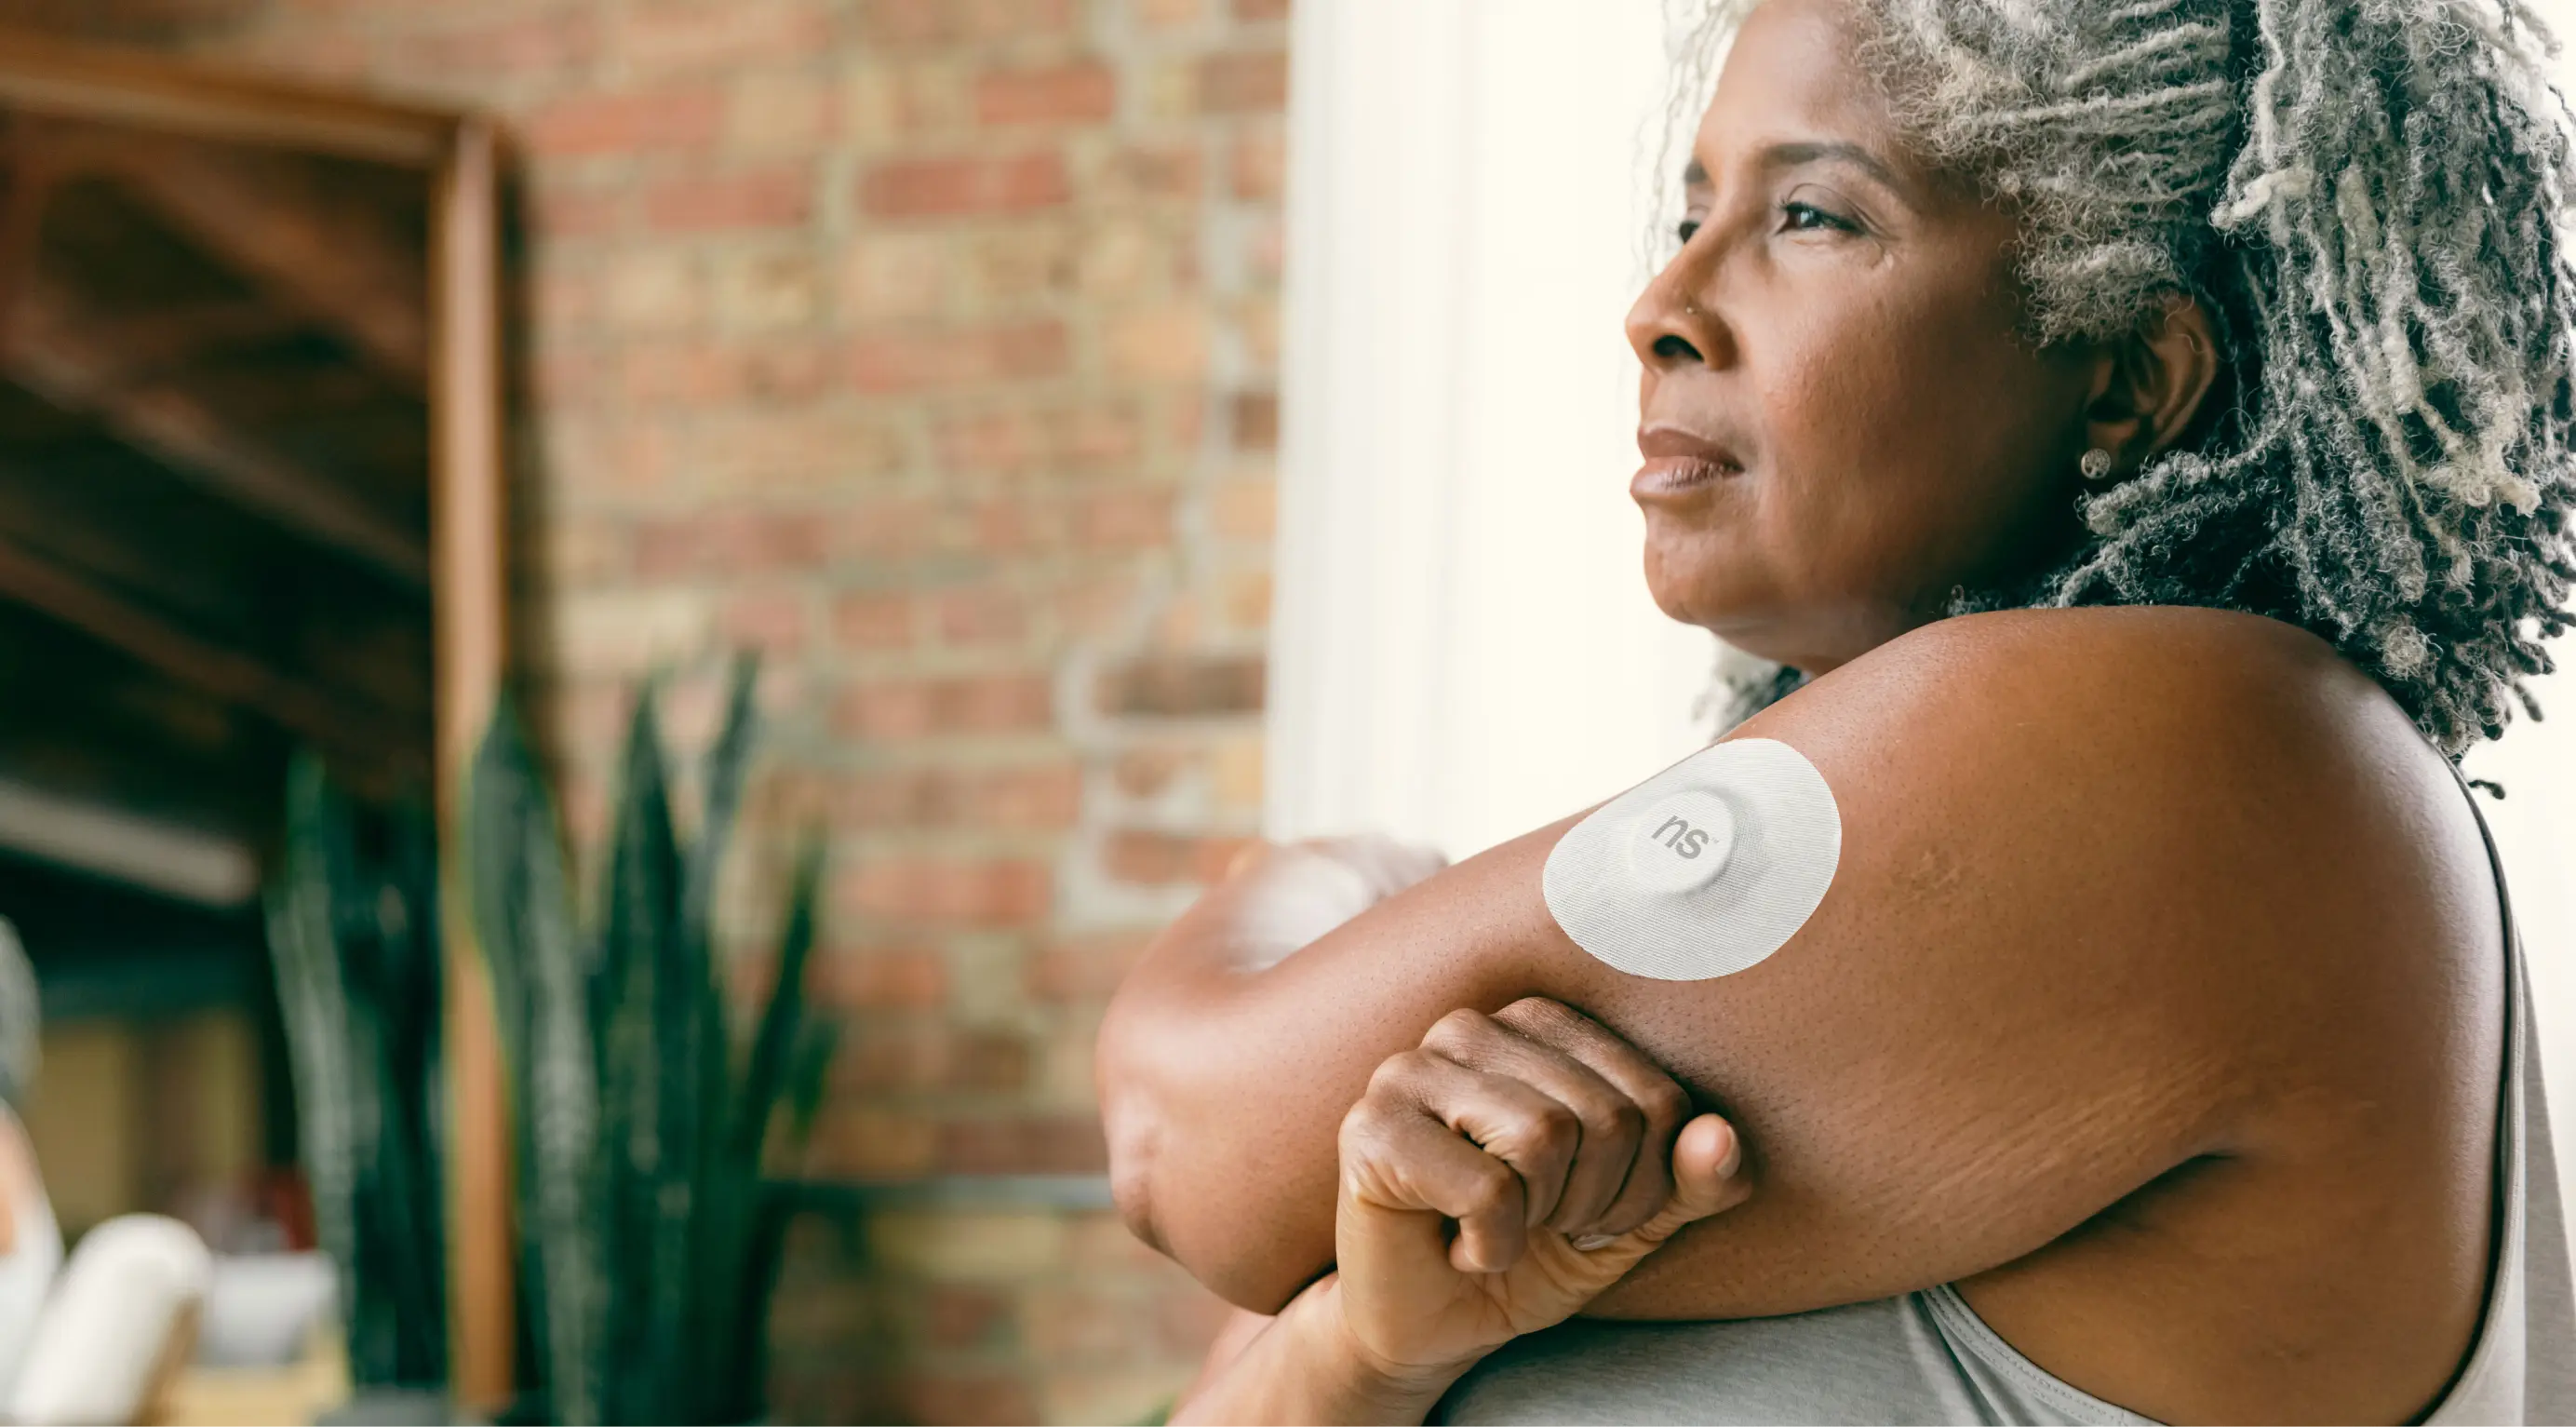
<point x="2365" y="195"/>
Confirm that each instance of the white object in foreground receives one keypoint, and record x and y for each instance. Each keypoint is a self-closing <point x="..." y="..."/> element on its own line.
<point x="121" y="1321"/>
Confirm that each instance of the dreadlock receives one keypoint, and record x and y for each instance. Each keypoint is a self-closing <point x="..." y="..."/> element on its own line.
<point x="2365" y="197"/>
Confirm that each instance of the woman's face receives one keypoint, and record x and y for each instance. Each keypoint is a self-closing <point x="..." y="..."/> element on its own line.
<point x="1842" y="419"/>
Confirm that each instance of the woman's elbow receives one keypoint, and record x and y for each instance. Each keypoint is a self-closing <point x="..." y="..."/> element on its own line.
<point x="1143" y="1120"/>
<point x="1134" y="1130"/>
<point x="1141" y="1111"/>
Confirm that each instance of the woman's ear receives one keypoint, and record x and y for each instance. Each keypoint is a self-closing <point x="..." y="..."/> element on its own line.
<point x="2149" y="385"/>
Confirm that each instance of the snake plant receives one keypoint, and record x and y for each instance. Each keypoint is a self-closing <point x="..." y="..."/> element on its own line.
<point x="353" y="942"/>
<point x="650" y="1239"/>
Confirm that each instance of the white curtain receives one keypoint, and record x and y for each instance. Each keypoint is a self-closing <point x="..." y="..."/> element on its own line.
<point x="1464" y="647"/>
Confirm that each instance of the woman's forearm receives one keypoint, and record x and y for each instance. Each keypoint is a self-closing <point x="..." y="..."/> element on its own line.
<point x="1221" y="1099"/>
<point x="1176" y="1107"/>
<point x="1306" y="1367"/>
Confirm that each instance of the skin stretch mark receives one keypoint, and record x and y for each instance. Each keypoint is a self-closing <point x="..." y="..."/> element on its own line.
<point x="1703" y="870"/>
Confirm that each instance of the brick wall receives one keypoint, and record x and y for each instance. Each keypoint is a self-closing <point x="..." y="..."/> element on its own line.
<point x="931" y="346"/>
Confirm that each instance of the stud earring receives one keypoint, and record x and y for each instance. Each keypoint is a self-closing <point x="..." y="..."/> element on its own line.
<point x="2096" y="464"/>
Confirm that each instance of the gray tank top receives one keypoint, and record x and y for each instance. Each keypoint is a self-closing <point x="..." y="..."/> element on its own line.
<point x="1927" y="1357"/>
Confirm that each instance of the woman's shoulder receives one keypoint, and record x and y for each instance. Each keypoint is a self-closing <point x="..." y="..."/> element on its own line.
<point x="2164" y="706"/>
<point x="2161" y="775"/>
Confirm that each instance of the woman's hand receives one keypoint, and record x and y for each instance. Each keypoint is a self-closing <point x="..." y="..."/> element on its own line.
<point x="1506" y="1172"/>
<point x="1493" y="1181"/>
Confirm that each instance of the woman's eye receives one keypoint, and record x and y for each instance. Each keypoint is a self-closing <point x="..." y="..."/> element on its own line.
<point x="1689" y="230"/>
<point x="1806" y="217"/>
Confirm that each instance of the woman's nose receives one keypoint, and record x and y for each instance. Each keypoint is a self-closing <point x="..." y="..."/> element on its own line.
<point x="1674" y="324"/>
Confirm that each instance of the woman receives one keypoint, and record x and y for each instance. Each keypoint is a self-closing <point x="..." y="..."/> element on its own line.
<point x="2139" y="429"/>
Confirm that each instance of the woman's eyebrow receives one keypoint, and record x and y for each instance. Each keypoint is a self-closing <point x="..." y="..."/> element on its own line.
<point x="1801" y="152"/>
<point x="1796" y="153"/>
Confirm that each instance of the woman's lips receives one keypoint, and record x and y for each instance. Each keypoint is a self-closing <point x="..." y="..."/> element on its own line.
<point x="1674" y="475"/>
<point x="1680" y="461"/>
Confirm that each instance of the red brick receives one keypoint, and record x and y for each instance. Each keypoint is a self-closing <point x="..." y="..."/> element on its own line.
<point x="957" y="1315"/>
<point x="559" y="209"/>
<point x="1037" y="798"/>
<point x="954" y="187"/>
<point x="1157" y="859"/>
<point x="773" y="622"/>
<point x="780" y="111"/>
<point x="913" y="1055"/>
<point x="1261" y="163"/>
<point x="979" y="1398"/>
<point x="1265" y="245"/>
<point x="1172" y="170"/>
<point x="747" y="542"/>
<point x="998" y="893"/>
<point x="889" y="527"/>
<point x="979" y="616"/>
<point x="1251" y="83"/>
<point x="868" y="1142"/>
<point x="964" y="704"/>
<point x="1080" y="93"/>
<point x="1033" y="1145"/>
<point x="1243" y="510"/>
<point x="551" y="44"/>
<point x="1256" y="421"/>
<point x="722" y="34"/>
<point x="959" y="357"/>
<point x="1177" y="687"/>
<point x="919" y="24"/>
<point x="1091" y="522"/>
<point x="629" y="122"/>
<point x="818" y="1313"/>
<point x="700" y="372"/>
<point x="1021" y="437"/>
<point x="871" y="979"/>
<point x="827" y="447"/>
<point x="874" y="621"/>
<point x="1126" y="520"/>
<point x="1248" y="600"/>
<point x="761" y="198"/>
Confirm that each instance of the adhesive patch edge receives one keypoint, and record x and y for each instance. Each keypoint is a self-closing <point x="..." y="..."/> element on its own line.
<point x="1703" y="870"/>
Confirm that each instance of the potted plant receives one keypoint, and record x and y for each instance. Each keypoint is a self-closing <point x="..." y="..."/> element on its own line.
<point x="650" y="1237"/>
<point x="353" y="943"/>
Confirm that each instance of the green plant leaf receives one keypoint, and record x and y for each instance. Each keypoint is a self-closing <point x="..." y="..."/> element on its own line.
<point x="521" y="896"/>
<point x="305" y="955"/>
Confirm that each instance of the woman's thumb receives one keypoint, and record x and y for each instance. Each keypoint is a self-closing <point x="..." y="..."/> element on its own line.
<point x="1708" y="1176"/>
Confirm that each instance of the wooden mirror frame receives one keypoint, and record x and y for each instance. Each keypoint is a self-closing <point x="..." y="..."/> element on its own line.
<point x="456" y="153"/>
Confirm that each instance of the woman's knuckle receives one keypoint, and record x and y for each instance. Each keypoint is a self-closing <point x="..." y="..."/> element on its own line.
<point x="1533" y="1016"/>
<point x="1395" y="1075"/>
<point x="1555" y="1127"/>
<point x="1461" y="1027"/>
<point x="1488" y="1188"/>
<point x="1665" y="1104"/>
<point x="1619" y="1118"/>
<point x="1360" y="1124"/>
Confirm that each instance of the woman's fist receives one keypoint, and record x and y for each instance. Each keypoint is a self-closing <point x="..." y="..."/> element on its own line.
<point x="1503" y="1174"/>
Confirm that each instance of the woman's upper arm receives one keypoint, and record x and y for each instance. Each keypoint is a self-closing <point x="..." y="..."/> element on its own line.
<point x="2025" y="995"/>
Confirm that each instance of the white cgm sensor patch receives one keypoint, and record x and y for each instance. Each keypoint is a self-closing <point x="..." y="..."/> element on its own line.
<point x="1704" y="869"/>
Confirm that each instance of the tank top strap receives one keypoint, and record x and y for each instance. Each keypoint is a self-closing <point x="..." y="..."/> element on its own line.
<point x="2520" y="1369"/>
